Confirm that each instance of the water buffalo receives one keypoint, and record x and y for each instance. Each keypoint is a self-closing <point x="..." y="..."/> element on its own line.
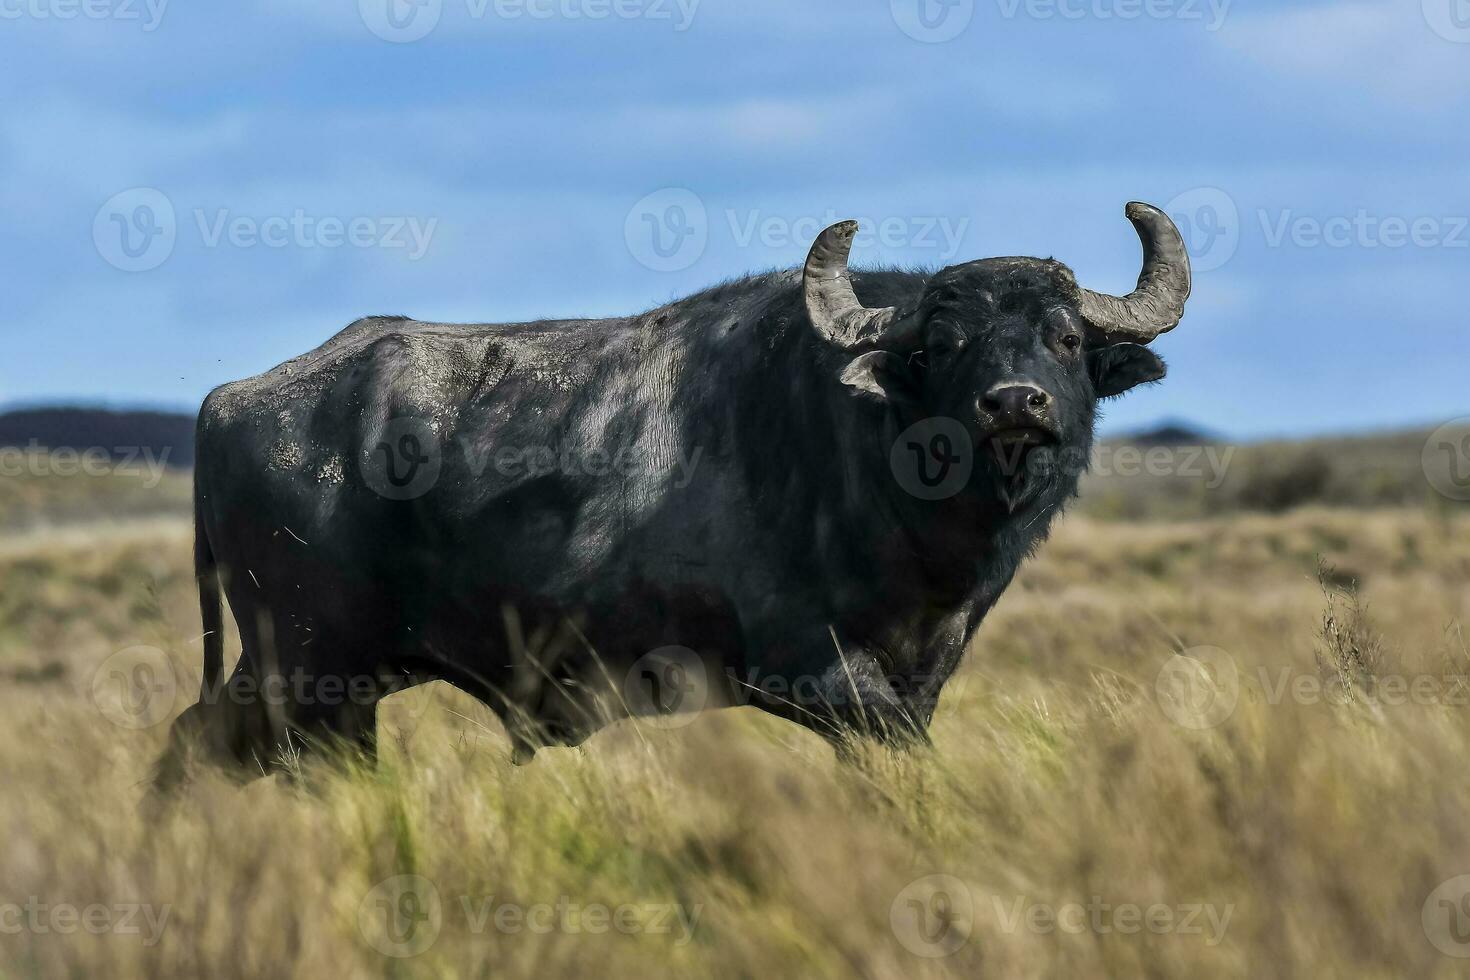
<point x="801" y="490"/>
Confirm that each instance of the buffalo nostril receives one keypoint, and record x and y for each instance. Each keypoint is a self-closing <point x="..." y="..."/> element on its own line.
<point x="1037" y="399"/>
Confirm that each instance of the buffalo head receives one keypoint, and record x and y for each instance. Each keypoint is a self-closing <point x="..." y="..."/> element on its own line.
<point x="1012" y="348"/>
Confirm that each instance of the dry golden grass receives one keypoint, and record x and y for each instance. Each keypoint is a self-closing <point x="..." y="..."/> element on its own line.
<point x="1319" y="826"/>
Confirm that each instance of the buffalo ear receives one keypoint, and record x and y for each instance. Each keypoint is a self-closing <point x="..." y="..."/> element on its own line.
<point x="882" y="375"/>
<point x="1121" y="367"/>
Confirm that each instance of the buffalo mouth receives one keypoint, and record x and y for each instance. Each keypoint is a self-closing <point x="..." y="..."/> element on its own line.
<point x="1020" y="437"/>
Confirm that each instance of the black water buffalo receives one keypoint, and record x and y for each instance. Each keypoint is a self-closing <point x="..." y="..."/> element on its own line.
<point x="801" y="490"/>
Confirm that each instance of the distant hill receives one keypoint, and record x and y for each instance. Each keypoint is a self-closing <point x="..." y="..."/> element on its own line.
<point x="1176" y="471"/>
<point x="166" y="436"/>
<point x="1172" y="433"/>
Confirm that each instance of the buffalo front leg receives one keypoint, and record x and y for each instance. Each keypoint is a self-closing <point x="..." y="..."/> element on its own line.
<point x="866" y="704"/>
<point x="851" y="698"/>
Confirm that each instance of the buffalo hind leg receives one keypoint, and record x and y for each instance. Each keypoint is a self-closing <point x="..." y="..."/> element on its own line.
<point x="226" y="730"/>
<point x="255" y="726"/>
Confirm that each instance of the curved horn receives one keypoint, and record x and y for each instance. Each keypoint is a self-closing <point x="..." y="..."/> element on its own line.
<point x="832" y="305"/>
<point x="1157" y="304"/>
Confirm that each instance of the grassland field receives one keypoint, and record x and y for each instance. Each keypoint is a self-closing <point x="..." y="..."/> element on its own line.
<point x="1214" y="745"/>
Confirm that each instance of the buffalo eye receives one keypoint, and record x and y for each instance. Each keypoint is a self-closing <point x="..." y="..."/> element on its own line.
<point x="1072" y="342"/>
<point x="944" y="343"/>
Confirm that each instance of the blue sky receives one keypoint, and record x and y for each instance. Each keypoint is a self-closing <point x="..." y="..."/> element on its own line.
<point x="281" y="168"/>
